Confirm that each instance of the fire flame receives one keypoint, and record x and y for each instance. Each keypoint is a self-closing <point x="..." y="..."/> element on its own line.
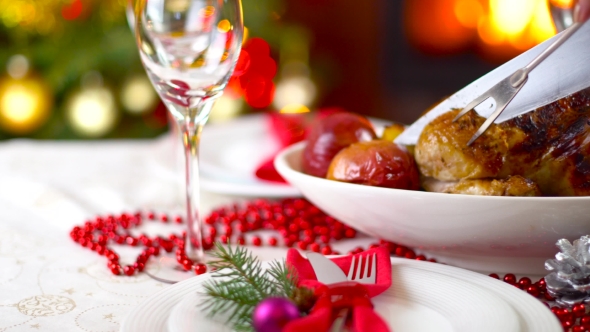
<point x="501" y="28"/>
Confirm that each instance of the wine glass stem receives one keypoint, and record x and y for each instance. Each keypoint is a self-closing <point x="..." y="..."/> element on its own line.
<point x="191" y="133"/>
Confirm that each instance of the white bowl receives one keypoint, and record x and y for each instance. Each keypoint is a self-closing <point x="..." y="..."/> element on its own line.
<point x="482" y="233"/>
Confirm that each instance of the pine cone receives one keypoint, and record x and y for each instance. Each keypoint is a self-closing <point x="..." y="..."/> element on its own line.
<point x="304" y="298"/>
<point x="569" y="283"/>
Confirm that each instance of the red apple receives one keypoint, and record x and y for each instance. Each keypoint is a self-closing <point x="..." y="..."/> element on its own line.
<point x="376" y="163"/>
<point x="331" y="134"/>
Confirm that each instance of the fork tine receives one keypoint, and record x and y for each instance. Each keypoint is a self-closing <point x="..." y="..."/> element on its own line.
<point x="368" y="262"/>
<point x="487" y="123"/>
<point x="500" y="106"/>
<point x="351" y="269"/>
<point x="482" y="129"/>
<point x="359" y="268"/>
<point x="472" y="105"/>
<point x="374" y="268"/>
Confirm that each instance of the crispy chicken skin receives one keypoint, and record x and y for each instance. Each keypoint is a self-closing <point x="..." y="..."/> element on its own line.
<point x="442" y="151"/>
<point x="512" y="186"/>
<point x="550" y="146"/>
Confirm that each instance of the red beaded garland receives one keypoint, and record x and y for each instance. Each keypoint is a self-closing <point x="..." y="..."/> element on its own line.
<point x="298" y="222"/>
<point x="579" y="310"/>
<point x="533" y="290"/>
<point x="510" y="278"/>
<point x="578" y="328"/>
<point x="524" y="283"/>
<point x="200" y="269"/>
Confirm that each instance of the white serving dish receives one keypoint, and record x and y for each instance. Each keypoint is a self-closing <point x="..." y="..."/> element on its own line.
<point x="481" y="233"/>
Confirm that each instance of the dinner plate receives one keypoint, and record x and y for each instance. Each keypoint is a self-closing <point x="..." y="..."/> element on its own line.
<point x="424" y="297"/>
<point x="231" y="152"/>
<point x="498" y="234"/>
<point x="418" y="301"/>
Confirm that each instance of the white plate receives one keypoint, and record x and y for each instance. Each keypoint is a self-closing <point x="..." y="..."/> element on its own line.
<point x="482" y="233"/>
<point x="425" y="297"/>
<point x="232" y="151"/>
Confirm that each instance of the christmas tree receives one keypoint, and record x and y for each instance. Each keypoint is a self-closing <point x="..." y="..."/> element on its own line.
<point x="70" y="69"/>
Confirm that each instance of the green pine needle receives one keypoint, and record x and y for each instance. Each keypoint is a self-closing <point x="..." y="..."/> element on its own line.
<point x="239" y="283"/>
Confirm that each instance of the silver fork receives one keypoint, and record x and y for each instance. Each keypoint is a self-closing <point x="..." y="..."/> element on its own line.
<point x="504" y="91"/>
<point x="364" y="277"/>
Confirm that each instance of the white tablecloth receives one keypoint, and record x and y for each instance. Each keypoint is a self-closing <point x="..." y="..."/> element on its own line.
<point x="49" y="283"/>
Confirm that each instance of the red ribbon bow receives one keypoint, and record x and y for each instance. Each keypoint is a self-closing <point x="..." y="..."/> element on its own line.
<point x="331" y="298"/>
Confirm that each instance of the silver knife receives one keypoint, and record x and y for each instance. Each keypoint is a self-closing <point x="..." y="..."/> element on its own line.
<point x="326" y="271"/>
<point x="564" y="72"/>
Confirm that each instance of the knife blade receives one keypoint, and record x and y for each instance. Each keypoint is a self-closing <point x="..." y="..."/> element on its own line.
<point x="563" y="73"/>
<point x="326" y="271"/>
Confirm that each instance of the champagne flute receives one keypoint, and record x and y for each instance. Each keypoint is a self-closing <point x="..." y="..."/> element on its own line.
<point x="189" y="49"/>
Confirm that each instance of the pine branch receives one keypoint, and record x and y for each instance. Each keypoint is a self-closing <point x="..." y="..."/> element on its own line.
<point x="236" y="298"/>
<point x="239" y="283"/>
<point x="284" y="277"/>
<point x="242" y="264"/>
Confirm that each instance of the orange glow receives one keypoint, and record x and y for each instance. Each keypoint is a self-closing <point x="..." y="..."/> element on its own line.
<point x="208" y="11"/>
<point x="488" y="34"/>
<point x="468" y="12"/>
<point x="562" y="3"/>
<point x="294" y="109"/>
<point x="223" y="26"/>
<point x="500" y="29"/>
<point x="433" y="26"/>
<point x="519" y="24"/>
<point x="510" y="17"/>
<point x="246" y="33"/>
<point x="542" y="27"/>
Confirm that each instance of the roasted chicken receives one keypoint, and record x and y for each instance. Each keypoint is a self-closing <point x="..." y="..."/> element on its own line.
<point x="512" y="186"/>
<point x="549" y="146"/>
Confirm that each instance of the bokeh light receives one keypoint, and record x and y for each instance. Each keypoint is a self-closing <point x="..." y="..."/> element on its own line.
<point x="25" y="100"/>
<point x="294" y="90"/>
<point x="223" y="26"/>
<point x="18" y="66"/>
<point x="25" y="104"/>
<point x="226" y="108"/>
<point x="72" y="10"/>
<point x="138" y="96"/>
<point x="295" y="109"/>
<point x="92" y="112"/>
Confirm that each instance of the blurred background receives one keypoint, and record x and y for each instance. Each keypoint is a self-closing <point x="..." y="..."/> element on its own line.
<point x="69" y="69"/>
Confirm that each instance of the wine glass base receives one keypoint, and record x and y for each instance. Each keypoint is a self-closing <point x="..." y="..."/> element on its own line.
<point x="169" y="271"/>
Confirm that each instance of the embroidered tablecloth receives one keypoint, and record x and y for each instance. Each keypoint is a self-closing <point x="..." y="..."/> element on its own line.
<point x="49" y="283"/>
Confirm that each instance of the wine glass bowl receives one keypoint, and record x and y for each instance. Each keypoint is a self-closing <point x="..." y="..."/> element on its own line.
<point x="562" y="13"/>
<point x="189" y="49"/>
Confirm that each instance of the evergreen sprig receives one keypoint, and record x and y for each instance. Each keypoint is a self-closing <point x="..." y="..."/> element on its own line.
<point x="240" y="282"/>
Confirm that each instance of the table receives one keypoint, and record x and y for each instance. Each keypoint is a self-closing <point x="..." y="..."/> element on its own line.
<point x="48" y="282"/>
